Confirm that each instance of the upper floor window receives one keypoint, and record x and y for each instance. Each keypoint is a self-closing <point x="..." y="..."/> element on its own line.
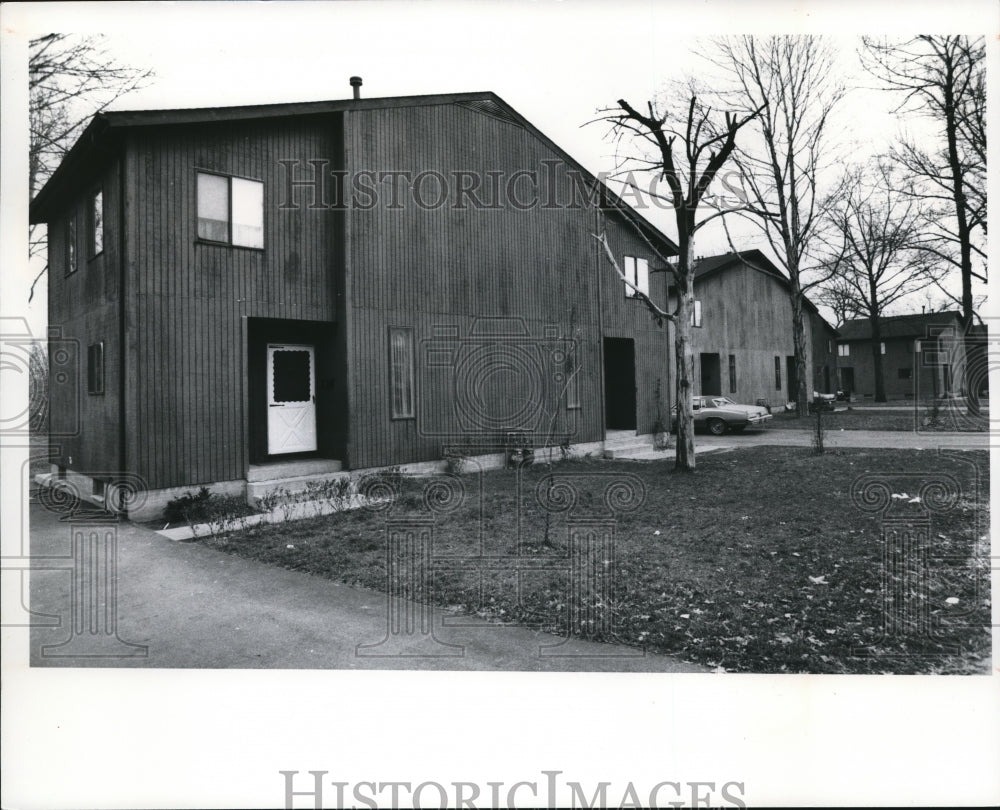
<point x="844" y="350"/>
<point x="71" y="244"/>
<point x="883" y="347"/>
<point x="95" y="224"/>
<point x="637" y="272"/>
<point x="696" y="313"/>
<point x="230" y="210"/>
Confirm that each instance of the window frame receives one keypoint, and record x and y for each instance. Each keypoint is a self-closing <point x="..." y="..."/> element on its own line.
<point x="95" y="201"/>
<point x="632" y="274"/>
<point x="732" y="374"/>
<point x="95" y="368"/>
<point x="696" y="314"/>
<point x="229" y="178"/>
<point x="843" y="350"/>
<point x="70" y="257"/>
<point x="411" y="368"/>
<point x="777" y="372"/>
<point x="882" y="347"/>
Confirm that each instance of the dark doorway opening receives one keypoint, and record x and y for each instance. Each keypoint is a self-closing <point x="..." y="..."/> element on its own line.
<point x="711" y="375"/>
<point x="329" y="411"/>
<point x="619" y="384"/>
<point x="847" y="380"/>
<point x="793" y="378"/>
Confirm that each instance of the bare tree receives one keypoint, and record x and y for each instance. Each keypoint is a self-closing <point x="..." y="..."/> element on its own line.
<point x="70" y="78"/>
<point x="839" y="297"/>
<point x="791" y="79"/>
<point x="704" y="146"/>
<point x="876" y="261"/>
<point x="941" y="79"/>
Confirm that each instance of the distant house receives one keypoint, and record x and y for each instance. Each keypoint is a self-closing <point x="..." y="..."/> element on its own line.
<point x="254" y="300"/>
<point x="742" y="340"/>
<point x="922" y="355"/>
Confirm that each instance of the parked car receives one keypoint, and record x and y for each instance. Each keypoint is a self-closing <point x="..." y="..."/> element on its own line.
<point x="719" y="414"/>
<point x="823" y="402"/>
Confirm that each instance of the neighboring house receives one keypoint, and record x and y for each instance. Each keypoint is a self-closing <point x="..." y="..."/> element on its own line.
<point x="742" y="340"/>
<point x="246" y="288"/>
<point x="922" y="355"/>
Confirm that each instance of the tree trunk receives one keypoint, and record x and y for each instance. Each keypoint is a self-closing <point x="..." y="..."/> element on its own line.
<point x="800" y="395"/>
<point x="877" y="360"/>
<point x="685" y="458"/>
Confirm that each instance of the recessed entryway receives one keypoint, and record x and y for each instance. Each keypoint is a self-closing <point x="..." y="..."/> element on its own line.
<point x="619" y="384"/>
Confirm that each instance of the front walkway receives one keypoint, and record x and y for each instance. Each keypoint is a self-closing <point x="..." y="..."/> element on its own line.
<point x="192" y="606"/>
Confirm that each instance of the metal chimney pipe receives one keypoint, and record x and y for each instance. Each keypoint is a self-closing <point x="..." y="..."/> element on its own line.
<point x="356" y="84"/>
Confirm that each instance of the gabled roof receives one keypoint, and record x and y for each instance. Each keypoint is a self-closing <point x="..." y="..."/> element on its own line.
<point x="710" y="266"/>
<point x="898" y="326"/>
<point x="101" y="139"/>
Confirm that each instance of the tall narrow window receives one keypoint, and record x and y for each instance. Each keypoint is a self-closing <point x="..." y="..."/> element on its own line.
<point x="230" y="210"/>
<point x="71" y="244"/>
<point x="401" y="372"/>
<point x="95" y="230"/>
<point x="777" y="373"/>
<point x="572" y="382"/>
<point x="732" y="374"/>
<point x="883" y="347"/>
<point x="844" y="350"/>
<point x="696" y="313"/>
<point x="95" y="368"/>
<point x="636" y="271"/>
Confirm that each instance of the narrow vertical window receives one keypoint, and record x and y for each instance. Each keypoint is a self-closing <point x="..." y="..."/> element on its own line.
<point x="777" y="373"/>
<point x="696" y="313"/>
<point x="572" y="382"/>
<point x="883" y="347"/>
<point x="732" y="374"/>
<point x="95" y="231"/>
<point x="637" y="272"/>
<point x="401" y="372"/>
<point x="95" y="368"/>
<point x="71" y="244"/>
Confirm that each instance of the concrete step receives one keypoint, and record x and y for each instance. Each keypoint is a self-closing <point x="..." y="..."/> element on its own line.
<point x="293" y="485"/>
<point x="292" y="469"/>
<point x="642" y="454"/>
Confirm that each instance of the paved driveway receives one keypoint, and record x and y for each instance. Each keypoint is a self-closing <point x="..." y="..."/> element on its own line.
<point x="192" y="606"/>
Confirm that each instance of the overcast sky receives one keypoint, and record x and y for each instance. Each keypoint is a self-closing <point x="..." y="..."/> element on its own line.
<point x="556" y="63"/>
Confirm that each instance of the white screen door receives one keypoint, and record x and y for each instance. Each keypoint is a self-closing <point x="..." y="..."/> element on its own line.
<point x="291" y="398"/>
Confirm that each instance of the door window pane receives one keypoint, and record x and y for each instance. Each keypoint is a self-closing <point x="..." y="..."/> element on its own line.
<point x="291" y="376"/>
<point x="401" y="372"/>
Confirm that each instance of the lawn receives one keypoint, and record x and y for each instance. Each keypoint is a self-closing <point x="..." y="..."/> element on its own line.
<point x="759" y="562"/>
<point x="875" y="419"/>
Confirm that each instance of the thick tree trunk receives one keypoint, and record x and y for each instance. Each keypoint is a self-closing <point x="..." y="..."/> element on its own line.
<point x="801" y="394"/>
<point x="683" y="378"/>
<point x="877" y="360"/>
<point x="685" y="458"/>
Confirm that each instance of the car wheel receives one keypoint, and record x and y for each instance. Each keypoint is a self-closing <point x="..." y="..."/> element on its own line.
<point x="716" y="427"/>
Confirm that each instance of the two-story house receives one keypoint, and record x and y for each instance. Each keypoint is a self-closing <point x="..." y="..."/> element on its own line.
<point x="346" y="284"/>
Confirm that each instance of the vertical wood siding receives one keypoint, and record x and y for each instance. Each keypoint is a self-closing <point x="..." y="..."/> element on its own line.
<point x="84" y="307"/>
<point x="191" y="298"/>
<point x="430" y="268"/>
